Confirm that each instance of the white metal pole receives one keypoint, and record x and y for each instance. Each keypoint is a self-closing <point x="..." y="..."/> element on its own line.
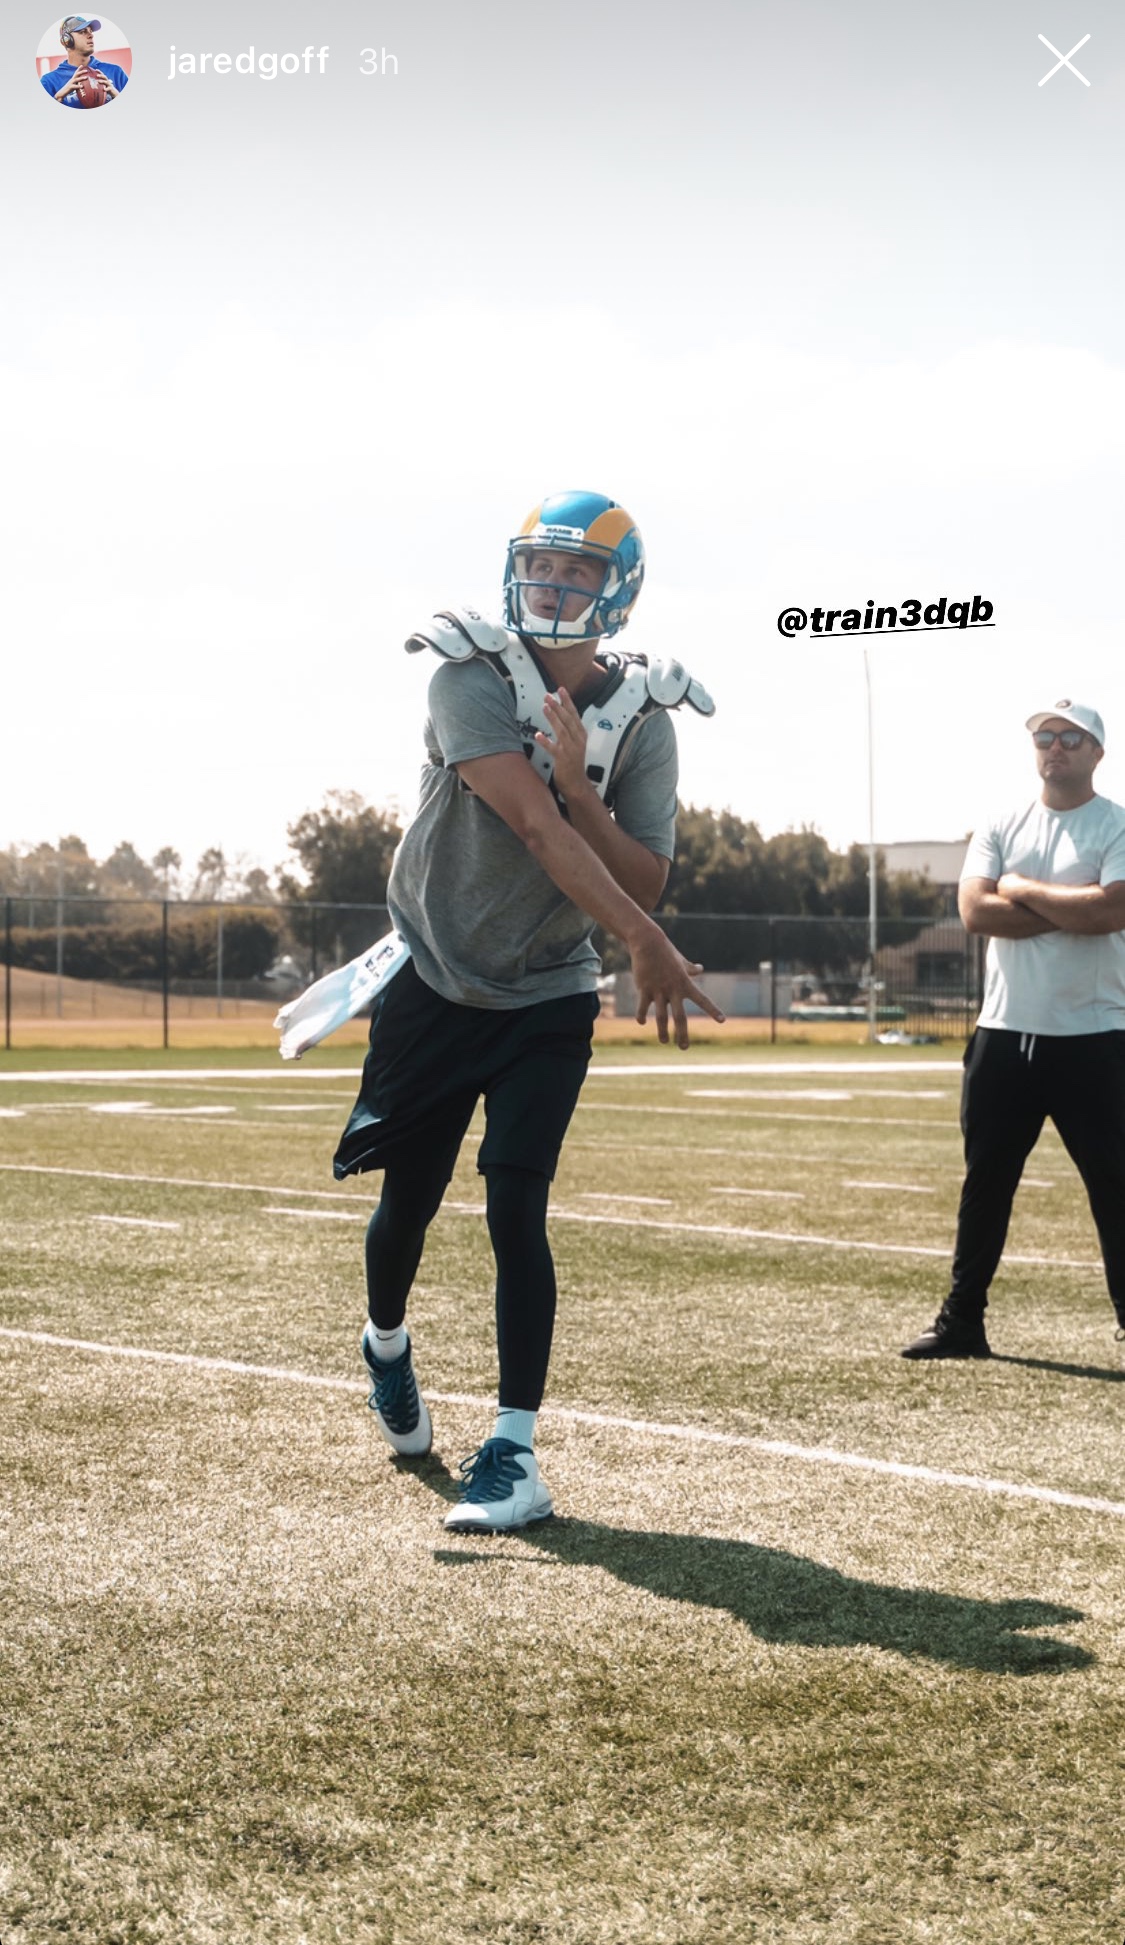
<point x="59" y="931"/>
<point x="872" y="860"/>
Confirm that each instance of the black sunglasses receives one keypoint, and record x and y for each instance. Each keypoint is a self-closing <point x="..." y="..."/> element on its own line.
<point x="1069" y="738"/>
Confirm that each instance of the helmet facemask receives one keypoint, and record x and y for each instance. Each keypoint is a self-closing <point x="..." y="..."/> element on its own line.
<point x="553" y="609"/>
<point x="604" y="611"/>
<point x="546" y="597"/>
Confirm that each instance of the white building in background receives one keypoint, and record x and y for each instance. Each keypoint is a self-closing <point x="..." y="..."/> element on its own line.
<point x="939" y="859"/>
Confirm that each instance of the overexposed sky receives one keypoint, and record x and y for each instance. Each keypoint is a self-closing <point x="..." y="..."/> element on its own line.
<point x="828" y="293"/>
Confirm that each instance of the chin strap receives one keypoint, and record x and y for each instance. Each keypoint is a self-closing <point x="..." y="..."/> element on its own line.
<point x="458" y="634"/>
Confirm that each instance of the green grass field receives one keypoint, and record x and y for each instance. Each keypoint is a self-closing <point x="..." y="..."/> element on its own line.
<point x="823" y="1645"/>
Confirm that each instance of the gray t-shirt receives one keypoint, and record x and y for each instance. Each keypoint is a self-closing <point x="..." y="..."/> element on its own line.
<point x="486" y="925"/>
<point x="1057" y="982"/>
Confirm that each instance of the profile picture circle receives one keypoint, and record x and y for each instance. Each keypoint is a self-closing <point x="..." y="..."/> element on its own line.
<point x="84" y="61"/>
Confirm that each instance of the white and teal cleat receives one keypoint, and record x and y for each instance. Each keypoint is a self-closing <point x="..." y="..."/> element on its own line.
<point x="399" y="1406"/>
<point x="502" y="1490"/>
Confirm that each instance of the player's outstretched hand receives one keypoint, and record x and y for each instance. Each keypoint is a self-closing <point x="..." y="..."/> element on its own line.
<point x="664" y="980"/>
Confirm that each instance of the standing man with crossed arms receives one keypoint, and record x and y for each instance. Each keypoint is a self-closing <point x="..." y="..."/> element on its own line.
<point x="1046" y="885"/>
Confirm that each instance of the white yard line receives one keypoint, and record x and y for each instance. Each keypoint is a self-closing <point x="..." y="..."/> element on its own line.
<point x="747" y="1069"/>
<point x="785" y="1236"/>
<point x="559" y="1215"/>
<point x="766" y="1094"/>
<point x="756" y="1158"/>
<point x="933" y="1126"/>
<point x="816" y="1093"/>
<point x="148" y="1076"/>
<point x="321" y="1215"/>
<point x="776" y="1195"/>
<point x="137" y="1222"/>
<point x="668" y="1069"/>
<point x="146" y="1109"/>
<point x="170" y="1181"/>
<point x="603" y="1195"/>
<point x="900" y="1188"/>
<point x="645" y="1427"/>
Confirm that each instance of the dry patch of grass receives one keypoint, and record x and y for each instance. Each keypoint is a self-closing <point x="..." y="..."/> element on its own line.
<point x="258" y="1693"/>
<point x="253" y="1692"/>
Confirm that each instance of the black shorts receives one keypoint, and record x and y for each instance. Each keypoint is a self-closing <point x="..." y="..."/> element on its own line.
<point x="430" y="1061"/>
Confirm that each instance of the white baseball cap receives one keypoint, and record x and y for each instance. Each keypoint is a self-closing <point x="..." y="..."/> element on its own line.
<point x="1078" y="713"/>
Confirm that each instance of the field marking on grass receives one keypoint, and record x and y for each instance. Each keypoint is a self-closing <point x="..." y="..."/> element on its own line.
<point x="556" y="1215"/>
<point x="754" y="1157"/>
<point x="728" y="1230"/>
<point x="298" y="1107"/>
<point x="186" y="1117"/>
<point x="773" y="1114"/>
<point x="169" y="1181"/>
<point x="321" y="1215"/>
<point x="12" y="1114"/>
<point x="248" y="1098"/>
<point x="146" y="1108"/>
<point x="944" y="1250"/>
<point x="778" y="1195"/>
<point x="146" y="1076"/>
<point x="900" y="1188"/>
<point x="816" y="1093"/>
<point x="137" y="1222"/>
<point x="631" y="1107"/>
<point x="748" y="1068"/>
<point x="298" y="1076"/>
<point x="734" y="1151"/>
<point x="604" y="1195"/>
<point x="766" y="1094"/>
<point x="646" y="1427"/>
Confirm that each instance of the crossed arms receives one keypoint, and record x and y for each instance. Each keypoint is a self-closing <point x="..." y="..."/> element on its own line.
<point x="1014" y="907"/>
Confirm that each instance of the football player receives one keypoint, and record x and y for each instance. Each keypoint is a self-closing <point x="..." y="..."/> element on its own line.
<point x="496" y="888"/>
<point x="67" y="82"/>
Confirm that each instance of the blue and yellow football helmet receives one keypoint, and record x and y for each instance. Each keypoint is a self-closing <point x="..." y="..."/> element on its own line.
<point x="575" y="523"/>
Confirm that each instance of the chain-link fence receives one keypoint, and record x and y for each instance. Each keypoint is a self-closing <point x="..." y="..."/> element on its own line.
<point x="150" y="972"/>
<point x="139" y="972"/>
<point x="816" y="973"/>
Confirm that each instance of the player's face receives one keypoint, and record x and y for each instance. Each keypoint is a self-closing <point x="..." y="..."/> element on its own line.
<point x="1056" y="765"/>
<point x="83" y="42"/>
<point x="569" y="583"/>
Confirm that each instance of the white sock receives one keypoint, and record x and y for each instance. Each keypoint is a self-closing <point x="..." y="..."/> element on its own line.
<point x="387" y="1344"/>
<point x="519" y="1426"/>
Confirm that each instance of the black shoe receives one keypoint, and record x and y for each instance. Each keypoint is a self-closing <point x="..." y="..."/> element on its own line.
<point x="951" y="1336"/>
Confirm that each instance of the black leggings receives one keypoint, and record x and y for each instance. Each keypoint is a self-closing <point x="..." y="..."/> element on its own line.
<point x="516" y="1200"/>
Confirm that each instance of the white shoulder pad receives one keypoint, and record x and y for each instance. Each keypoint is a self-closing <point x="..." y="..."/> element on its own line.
<point x="669" y="684"/>
<point x="457" y="633"/>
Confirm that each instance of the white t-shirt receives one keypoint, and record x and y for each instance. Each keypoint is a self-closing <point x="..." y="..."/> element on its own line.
<point x="1057" y="982"/>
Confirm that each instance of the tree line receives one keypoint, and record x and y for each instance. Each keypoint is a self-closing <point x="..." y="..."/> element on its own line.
<point x="67" y="870"/>
<point x="341" y="854"/>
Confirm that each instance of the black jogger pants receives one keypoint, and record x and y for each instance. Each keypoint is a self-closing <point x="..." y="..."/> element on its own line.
<point x="1013" y="1083"/>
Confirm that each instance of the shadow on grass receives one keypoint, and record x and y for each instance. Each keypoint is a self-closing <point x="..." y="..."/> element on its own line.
<point x="1106" y="1373"/>
<point x="784" y="1597"/>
